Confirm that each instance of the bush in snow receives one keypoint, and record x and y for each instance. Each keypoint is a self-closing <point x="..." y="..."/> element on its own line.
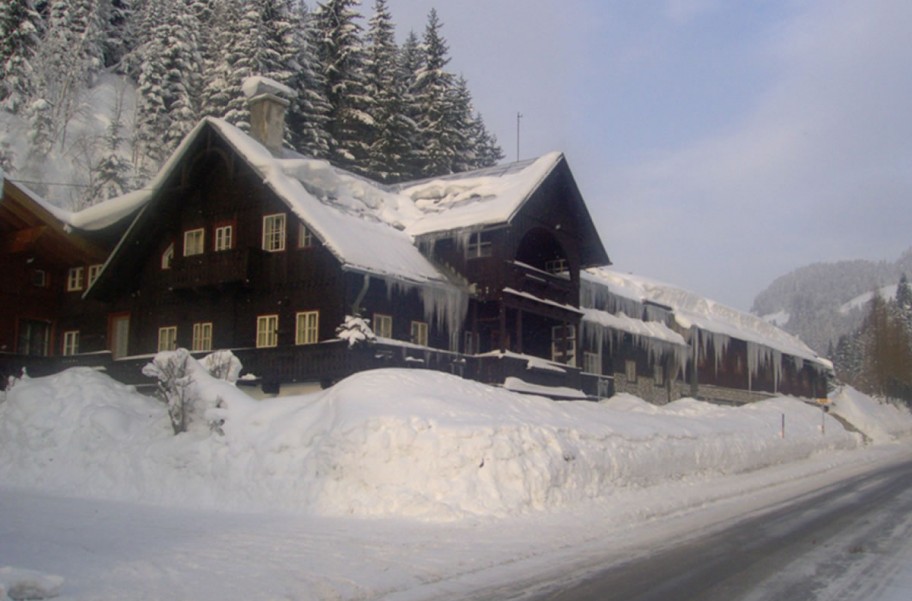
<point x="174" y="381"/>
<point x="356" y="331"/>
<point x="222" y="365"/>
<point x="181" y="383"/>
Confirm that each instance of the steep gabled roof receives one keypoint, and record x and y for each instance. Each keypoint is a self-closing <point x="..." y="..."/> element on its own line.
<point x="357" y="220"/>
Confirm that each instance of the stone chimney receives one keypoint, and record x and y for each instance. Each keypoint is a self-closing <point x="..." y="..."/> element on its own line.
<point x="267" y="101"/>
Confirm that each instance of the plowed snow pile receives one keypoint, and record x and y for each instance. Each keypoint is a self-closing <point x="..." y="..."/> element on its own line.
<point x="407" y="443"/>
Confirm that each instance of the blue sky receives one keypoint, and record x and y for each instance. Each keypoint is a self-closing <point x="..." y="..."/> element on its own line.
<point x="719" y="144"/>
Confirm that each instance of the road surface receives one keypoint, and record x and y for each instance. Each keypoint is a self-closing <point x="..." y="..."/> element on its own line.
<point x="849" y="541"/>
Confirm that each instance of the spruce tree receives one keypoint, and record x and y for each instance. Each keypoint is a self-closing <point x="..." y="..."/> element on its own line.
<point x="309" y="109"/>
<point x="394" y="131"/>
<point x="20" y="30"/>
<point x="433" y="95"/>
<point x="341" y="57"/>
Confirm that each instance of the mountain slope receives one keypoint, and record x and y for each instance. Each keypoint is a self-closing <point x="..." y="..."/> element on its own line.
<point x="822" y="301"/>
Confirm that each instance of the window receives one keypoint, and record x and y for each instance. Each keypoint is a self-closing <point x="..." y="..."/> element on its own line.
<point x="194" y="241"/>
<point x="202" y="337"/>
<point x="71" y="342"/>
<point x="563" y="344"/>
<point x="267" y="331"/>
<point x="167" y="338"/>
<point x="630" y="370"/>
<point x="167" y="257"/>
<point x="383" y="325"/>
<point x="224" y="238"/>
<point x="39" y="278"/>
<point x="94" y="272"/>
<point x="556" y="266"/>
<point x="305" y="236"/>
<point x="74" y="278"/>
<point x="479" y="246"/>
<point x="274" y="232"/>
<point x="471" y="346"/>
<point x="420" y="333"/>
<point x="307" y="327"/>
<point x="659" y="375"/>
<point x="592" y="363"/>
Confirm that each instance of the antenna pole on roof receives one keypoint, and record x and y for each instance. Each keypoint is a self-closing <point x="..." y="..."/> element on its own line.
<point x="518" y="117"/>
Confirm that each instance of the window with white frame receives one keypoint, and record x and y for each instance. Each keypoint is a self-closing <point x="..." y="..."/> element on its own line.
<point x="224" y="238"/>
<point x="167" y="257"/>
<point x="592" y="363"/>
<point x="307" y="327"/>
<point x="40" y="278"/>
<point x="630" y="370"/>
<point x="267" y="331"/>
<point x="305" y="236"/>
<point x="479" y="245"/>
<point x="420" y="333"/>
<point x="202" y="336"/>
<point x="274" y="232"/>
<point x="563" y="344"/>
<point x="167" y="338"/>
<point x="383" y="325"/>
<point x="94" y="272"/>
<point x="194" y="242"/>
<point x="71" y="342"/>
<point x="74" y="278"/>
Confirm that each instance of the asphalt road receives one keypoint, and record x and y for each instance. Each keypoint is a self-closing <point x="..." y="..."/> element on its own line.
<point x="831" y="544"/>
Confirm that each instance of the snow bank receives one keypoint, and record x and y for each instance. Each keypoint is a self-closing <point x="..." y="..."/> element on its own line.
<point x="881" y="421"/>
<point x="408" y="443"/>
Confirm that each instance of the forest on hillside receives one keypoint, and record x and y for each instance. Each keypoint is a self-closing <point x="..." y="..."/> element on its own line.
<point x="390" y="111"/>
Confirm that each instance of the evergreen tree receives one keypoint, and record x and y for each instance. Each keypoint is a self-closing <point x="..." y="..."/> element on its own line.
<point x="433" y="95"/>
<point x="394" y="132"/>
<point x="20" y="29"/>
<point x="309" y="109"/>
<point x="118" y="38"/>
<point x="341" y="57"/>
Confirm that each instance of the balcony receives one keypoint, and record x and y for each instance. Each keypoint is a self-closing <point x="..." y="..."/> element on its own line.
<point x="236" y="266"/>
<point x="542" y="284"/>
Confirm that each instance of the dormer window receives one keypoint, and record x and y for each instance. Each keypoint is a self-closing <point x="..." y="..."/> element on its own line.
<point x="194" y="242"/>
<point x="167" y="257"/>
<point x="479" y="245"/>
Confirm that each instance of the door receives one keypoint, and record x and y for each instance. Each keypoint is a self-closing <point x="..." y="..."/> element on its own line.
<point x="119" y="334"/>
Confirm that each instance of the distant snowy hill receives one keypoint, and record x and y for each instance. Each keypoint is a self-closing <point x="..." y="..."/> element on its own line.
<point x="820" y="302"/>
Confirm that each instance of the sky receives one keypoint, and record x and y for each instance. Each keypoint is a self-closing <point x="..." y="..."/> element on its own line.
<point x="719" y="144"/>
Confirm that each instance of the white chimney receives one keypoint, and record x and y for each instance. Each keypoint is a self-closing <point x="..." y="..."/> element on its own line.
<point x="267" y="110"/>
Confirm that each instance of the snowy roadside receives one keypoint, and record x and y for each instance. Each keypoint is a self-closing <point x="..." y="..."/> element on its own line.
<point x="378" y="488"/>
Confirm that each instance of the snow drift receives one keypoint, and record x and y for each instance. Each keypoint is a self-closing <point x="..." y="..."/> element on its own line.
<point x="407" y="443"/>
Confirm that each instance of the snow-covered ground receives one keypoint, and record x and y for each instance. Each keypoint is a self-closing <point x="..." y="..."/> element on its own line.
<point x="394" y="484"/>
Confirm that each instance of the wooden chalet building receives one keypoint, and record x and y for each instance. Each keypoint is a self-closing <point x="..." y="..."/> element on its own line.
<point x="238" y="243"/>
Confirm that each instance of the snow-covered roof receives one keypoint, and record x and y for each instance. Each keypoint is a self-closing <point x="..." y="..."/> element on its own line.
<point x="693" y="310"/>
<point x="477" y="198"/>
<point x="631" y="325"/>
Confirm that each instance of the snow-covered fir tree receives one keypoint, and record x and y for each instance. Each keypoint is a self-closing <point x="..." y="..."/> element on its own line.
<point x="395" y="133"/>
<point x="433" y="92"/>
<point x="360" y="101"/>
<point x="20" y="30"/>
<point x="308" y="112"/>
<point x="339" y="49"/>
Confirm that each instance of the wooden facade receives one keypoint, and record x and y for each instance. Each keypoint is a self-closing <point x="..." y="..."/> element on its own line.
<point x="224" y="253"/>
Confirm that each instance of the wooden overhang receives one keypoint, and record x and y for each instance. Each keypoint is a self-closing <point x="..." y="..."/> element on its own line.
<point x="28" y="227"/>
